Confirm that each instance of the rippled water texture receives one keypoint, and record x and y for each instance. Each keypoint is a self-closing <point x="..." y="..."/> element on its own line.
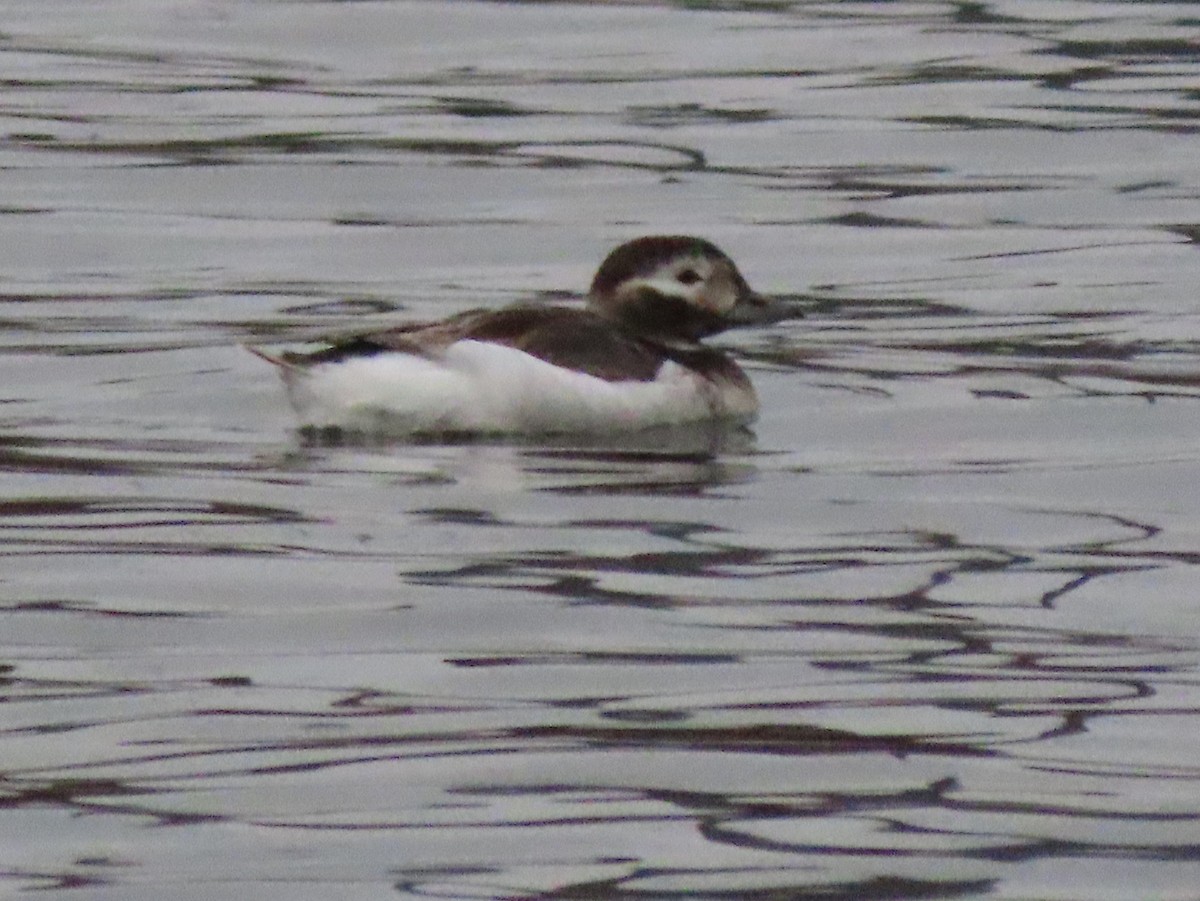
<point x="931" y="632"/>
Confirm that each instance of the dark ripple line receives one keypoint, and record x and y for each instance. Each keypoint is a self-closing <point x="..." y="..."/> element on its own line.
<point x="223" y="513"/>
<point x="876" y="888"/>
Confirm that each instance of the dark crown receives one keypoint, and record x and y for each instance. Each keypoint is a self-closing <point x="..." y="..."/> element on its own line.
<point x="643" y="255"/>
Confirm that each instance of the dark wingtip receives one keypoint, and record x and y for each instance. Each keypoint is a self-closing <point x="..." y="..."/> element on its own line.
<point x="263" y="355"/>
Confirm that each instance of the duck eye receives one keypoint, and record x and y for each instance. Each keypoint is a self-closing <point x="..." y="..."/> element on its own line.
<point x="688" y="277"/>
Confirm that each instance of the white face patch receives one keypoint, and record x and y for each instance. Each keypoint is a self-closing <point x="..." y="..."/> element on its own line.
<point x="702" y="282"/>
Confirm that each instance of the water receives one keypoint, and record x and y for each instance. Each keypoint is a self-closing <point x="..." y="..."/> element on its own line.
<point x="930" y="632"/>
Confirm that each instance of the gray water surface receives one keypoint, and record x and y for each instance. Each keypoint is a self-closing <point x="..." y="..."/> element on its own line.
<point x="931" y="631"/>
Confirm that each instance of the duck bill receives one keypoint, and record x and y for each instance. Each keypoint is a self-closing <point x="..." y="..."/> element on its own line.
<point x="759" y="309"/>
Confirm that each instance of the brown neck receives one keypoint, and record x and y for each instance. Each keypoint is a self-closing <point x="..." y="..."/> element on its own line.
<point x="659" y="317"/>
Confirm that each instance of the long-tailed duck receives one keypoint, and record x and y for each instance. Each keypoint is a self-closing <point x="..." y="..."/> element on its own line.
<point x="630" y="359"/>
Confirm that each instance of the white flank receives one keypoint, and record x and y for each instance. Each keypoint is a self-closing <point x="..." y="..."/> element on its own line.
<point x="476" y="386"/>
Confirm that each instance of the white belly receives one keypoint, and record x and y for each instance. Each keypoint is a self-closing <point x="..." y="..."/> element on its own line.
<point x="480" y="387"/>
